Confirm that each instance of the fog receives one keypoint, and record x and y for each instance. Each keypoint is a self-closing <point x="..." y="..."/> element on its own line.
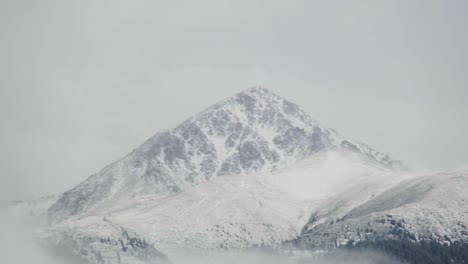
<point x="259" y="257"/>
<point x="20" y="244"/>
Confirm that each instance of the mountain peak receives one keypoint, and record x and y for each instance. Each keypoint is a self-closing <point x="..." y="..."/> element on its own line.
<point x="254" y="93"/>
<point x="262" y="98"/>
<point x="254" y="106"/>
<point x="253" y="131"/>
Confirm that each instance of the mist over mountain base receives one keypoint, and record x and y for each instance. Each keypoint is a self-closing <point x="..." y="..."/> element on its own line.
<point x="21" y="243"/>
<point x="18" y="245"/>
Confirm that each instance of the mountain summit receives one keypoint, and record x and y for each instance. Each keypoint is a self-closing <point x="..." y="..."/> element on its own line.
<point x="252" y="131"/>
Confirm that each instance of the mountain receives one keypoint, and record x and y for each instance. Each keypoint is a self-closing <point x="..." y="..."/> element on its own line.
<point x="247" y="171"/>
<point x="251" y="132"/>
<point x="255" y="170"/>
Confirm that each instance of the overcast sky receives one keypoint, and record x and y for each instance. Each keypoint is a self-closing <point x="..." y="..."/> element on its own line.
<point x="84" y="82"/>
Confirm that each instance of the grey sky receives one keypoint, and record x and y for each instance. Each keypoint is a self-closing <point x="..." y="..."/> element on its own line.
<point x="84" y="82"/>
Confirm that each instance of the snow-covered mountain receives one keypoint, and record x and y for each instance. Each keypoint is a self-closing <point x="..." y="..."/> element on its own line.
<point x="250" y="132"/>
<point x="246" y="171"/>
<point x="251" y="170"/>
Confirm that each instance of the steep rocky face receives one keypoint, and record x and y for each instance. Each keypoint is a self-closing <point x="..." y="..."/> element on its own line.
<point x="253" y="131"/>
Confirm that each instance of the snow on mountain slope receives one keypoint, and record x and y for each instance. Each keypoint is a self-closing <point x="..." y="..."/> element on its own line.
<point x="238" y="211"/>
<point x="254" y="131"/>
<point x="429" y="207"/>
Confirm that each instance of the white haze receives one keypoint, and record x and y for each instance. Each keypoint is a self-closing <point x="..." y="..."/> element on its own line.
<point x="18" y="246"/>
